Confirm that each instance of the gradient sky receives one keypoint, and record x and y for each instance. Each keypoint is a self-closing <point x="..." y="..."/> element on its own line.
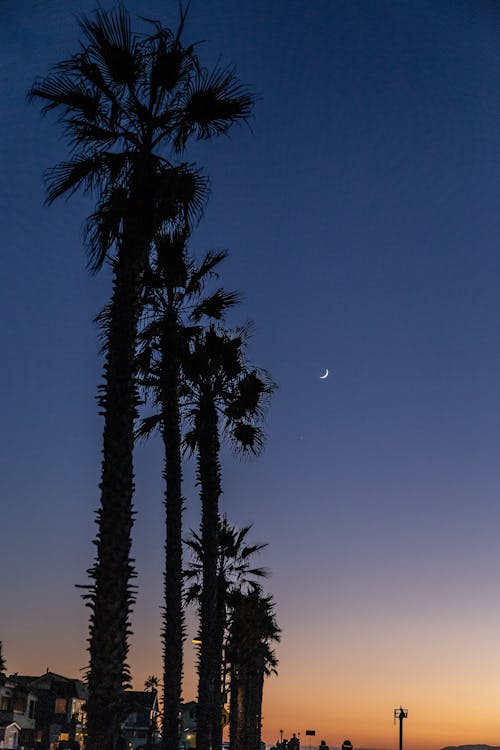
<point x="360" y="215"/>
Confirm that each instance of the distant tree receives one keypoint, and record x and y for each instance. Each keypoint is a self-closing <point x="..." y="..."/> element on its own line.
<point x="175" y="305"/>
<point x="226" y="394"/>
<point x="252" y="631"/>
<point x="235" y="572"/>
<point x="123" y="99"/>
<point x="151" y="684"/>
<point x="3" y="665"/>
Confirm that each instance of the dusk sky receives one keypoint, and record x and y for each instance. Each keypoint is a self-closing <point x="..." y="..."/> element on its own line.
<point x="360" y="209"/>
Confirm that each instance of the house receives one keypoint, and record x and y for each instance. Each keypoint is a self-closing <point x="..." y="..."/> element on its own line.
<point x="59" y="710"/>
<point x="140" y="727"/>
<point x="188" y="724"/>
<point x="17" y="714"/>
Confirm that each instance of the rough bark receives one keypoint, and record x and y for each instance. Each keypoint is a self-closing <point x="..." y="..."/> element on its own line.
<point x="111" y="596"/>
<point x="210" y="483"/>
<point x="173" y="630"/>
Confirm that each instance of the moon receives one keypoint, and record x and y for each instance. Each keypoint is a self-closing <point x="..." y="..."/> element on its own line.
<point x="323" y="377"/>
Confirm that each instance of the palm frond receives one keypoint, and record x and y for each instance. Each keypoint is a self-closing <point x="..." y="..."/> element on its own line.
<point x="147" y="426"/>
<point x="214" y="101"/>
<point x="83" y="171"/>
<point x="88" y="136"/>
<point x="181" y="191"/>
<point x="247" y="438"/>
<point x="171" y="64"/>
<point x="64" y="91"/>
<point x="190" y="441"/>
<point x="192" y="593"/>
<point x="205" y="269"/>
<point x="112" y="45"/>
<point x="215" y="306"/>
<point x="102" y="228"/>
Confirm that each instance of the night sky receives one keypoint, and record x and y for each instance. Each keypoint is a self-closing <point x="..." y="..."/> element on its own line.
<point x="360" y="211"/>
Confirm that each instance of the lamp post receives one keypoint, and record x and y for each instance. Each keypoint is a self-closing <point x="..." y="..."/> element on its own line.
<point x="401" y="714"/>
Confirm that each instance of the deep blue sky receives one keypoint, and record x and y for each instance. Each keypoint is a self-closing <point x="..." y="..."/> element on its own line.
<point x="361" y="214"/>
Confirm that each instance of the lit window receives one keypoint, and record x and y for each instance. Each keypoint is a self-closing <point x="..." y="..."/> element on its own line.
<point x="60" y="707"/>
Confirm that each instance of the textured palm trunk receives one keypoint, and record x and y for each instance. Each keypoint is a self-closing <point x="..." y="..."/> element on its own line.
<point x="252" y="711"/>
<point x="245" y="711"/>
<point x="111" y="596"/>
<point x="237" y="709"/>
<point x="259" y="695"/>
<point x="210" y="483"/>
<point x="173" y="629"/>
<point x="219" y="644"/>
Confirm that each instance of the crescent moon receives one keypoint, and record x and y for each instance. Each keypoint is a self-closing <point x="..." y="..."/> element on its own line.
<point x="323" y="377"/>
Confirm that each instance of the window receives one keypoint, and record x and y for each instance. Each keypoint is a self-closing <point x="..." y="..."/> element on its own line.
<point x="19" y="703"/>
<point x="5" y="703"/>
<point x="60" y="707"/>
<point x="31" y="709"/>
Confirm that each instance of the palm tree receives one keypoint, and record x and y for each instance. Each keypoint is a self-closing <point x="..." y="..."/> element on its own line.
<point x="220" y="386"/>
<point x="151" y="684"/>
<point x="175" y="305"/>
<point x="252" y="630"/>
<point x="234" y="572"/>
<point x="125" y="100"/>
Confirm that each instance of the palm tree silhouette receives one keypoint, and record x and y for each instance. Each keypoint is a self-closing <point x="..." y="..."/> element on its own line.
<point x="252" y="630"/>
<point x="128" y="104"/>
<point x="234" y="573"/>
<point x="220" y="386"/>
<point x="176" y="303"/>
<point x="151" y="685"/>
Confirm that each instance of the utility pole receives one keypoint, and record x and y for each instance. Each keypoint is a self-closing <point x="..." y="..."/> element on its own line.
<point x="401" y="714"/>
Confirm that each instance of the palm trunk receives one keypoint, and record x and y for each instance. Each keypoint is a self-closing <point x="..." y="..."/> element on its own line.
<point x="252" y="714"/>
<point x="219" y="644"/>
<point x="210" y="483"/>
<point x="173" y="630"/>
<point x="111" y="597"/>
<point x="258" y="704"/>
<point x="237" y="709"/>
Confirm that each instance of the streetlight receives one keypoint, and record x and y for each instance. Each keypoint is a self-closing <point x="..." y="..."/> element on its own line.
<point x="401" y="714"/>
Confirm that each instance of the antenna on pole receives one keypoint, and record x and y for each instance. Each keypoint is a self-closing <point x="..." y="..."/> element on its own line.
<point x="401" y="714"/>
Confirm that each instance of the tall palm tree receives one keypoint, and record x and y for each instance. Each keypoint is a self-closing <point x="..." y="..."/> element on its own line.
<point x="234" y="572"/>
<point x="252" y="630"/>
<point x="176" y="303"/>
<point x="127" y="102"/>
<point x="225" y="394"/>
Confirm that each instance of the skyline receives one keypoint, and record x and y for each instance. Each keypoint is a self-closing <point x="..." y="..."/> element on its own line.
<point x="359" y="213"/>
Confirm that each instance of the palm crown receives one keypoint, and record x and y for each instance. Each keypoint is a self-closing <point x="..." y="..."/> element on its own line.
<point x="235" y="568"/>
<point x="128" y="104"/>
<point x="217" y="372"/>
